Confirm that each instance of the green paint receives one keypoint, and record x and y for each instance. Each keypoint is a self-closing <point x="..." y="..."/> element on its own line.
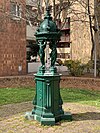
<point x="48" y="102"/>
<point x="47" y="32"/>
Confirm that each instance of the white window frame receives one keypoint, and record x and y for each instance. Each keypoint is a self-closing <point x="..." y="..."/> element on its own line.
<point x="16" y="11"/>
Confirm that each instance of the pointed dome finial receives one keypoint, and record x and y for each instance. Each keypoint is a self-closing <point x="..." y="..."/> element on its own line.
<point x="47" y="4"/>
<point x="48" y="15"/>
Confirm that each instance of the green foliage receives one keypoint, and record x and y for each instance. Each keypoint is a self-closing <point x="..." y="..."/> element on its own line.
<point x="18" y="95"/>
<point x="89" y="66"/>
<point x="90" y="97"/>
<point x="28" y="56"/>
<point x="75" y="95"/>
<point x="59" y="62"/>
<point x="76" y="67"/>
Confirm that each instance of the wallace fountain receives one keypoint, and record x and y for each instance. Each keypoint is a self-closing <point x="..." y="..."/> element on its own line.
<point x="48" y="102"/>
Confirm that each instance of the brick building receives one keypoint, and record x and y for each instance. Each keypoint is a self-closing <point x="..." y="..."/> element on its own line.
<point x="15" y="34"/>
<point x="12" y="37"/>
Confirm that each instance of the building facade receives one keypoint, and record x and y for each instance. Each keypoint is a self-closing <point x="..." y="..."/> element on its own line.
<point x="17" y="34"/>
<point x="81" y="44"/>
<point x="12" y="37"/>
<point x="73" y="20"/>
<point x="97" y="27"/>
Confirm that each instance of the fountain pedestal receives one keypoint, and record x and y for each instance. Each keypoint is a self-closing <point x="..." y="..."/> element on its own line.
<point x="48" y="102"/>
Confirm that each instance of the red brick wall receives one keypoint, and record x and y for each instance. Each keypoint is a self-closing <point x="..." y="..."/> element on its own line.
<point x="12" y="41"/>
<point x="66" y="82"/>
<point x="80" y="82"/>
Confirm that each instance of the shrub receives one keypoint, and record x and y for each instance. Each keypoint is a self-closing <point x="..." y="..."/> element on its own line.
<point x="59" y="62"/>
<point x="75" y="67"/>
<point x="89" y="66"/>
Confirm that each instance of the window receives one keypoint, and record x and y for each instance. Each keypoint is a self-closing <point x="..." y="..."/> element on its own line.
<point x="58" y="23"/>
<point x="65" y="31"/>
<point x="15" y="10"/>
<point x="63" y="55"/>
<point x="2" y="23"/>
<point x="63" y="45"/>
<point x="60" y="55"/>
<point x="66" y="23"/>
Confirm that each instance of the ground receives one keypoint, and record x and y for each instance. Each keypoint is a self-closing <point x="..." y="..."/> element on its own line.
<point x="86" y="119"/>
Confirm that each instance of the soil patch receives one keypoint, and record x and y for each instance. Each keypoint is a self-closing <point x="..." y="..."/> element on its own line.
<point x="86" y="119"/>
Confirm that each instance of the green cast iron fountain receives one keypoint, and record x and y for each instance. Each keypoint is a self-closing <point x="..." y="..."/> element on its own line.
<point x="48" y="102"/>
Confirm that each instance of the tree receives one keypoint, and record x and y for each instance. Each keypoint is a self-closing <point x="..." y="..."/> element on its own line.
<point x="93" y="20"/>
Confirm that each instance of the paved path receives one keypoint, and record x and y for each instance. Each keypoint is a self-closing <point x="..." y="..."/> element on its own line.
<point x="86" y="119"/>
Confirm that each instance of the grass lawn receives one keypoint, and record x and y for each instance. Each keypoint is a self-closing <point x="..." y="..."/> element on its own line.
<point x="89" y="97"/>
<point x="17" y="95"/>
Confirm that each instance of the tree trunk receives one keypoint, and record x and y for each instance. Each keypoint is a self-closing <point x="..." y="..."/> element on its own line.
<point x="91" y="31"/>
<point x="54" y="9"/>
